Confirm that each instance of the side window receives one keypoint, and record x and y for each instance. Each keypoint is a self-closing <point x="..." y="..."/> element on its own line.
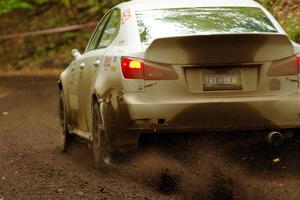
<point x="97" y="33"/>
<point x="111" y="29"/>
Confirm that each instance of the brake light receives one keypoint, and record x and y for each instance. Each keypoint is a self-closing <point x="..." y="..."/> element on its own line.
<point x="133" y="68"/>
<point x="134" y="64"/>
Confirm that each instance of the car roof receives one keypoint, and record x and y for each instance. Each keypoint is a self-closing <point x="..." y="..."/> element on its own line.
<point x="162" y="4"/>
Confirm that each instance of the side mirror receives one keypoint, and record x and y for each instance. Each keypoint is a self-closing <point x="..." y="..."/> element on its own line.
<point x="76" y="54"/>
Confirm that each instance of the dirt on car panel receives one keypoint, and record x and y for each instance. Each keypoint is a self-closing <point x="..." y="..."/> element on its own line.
<point x="256" y="48"/>
<point x="222" y="116"/>
<point x="116" y="114"/>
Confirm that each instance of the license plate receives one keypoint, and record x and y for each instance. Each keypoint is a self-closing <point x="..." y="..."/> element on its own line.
<point x="213" y="80"/>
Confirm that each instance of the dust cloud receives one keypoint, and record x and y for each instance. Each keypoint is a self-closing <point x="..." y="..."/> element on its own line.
<point x="210" y="169"/>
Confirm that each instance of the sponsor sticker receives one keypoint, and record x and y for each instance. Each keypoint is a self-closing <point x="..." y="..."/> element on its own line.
<point x="113" y="68"/>
<point x="107" y="61"/>
<point x="126" y="16"/>
<point x="121" y="43"/>
<point x="114" y="64"/>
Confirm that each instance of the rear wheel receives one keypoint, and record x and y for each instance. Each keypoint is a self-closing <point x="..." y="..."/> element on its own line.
<point x="65" y="137"/>
<point x="102" y="156"/>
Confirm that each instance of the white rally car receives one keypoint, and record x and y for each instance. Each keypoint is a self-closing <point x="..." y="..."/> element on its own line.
<point x="180" y="66"/>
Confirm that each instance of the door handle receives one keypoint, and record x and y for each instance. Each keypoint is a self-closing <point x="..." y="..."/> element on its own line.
<point x="96" y="63"/>
<point x="81" y="66"/>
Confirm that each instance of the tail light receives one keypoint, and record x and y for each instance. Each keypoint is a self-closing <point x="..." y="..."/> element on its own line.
<point x="285" y="68"/>
<point x="133" y="68"/>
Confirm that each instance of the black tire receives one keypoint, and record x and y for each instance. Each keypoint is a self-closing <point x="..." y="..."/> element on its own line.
<point x="101" y="148"/>
<point x="65" y="137"/>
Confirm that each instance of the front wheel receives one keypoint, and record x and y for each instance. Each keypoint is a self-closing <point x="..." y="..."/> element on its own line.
<point x="102" y="157"/>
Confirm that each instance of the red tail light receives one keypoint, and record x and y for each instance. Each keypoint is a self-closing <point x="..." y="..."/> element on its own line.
<point x="285" y="68"/>
<point x="133" y="68"/>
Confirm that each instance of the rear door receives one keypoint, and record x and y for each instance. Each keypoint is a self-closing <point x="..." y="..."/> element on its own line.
<point x="106" y="33"/>
<point x="73" y="93"/>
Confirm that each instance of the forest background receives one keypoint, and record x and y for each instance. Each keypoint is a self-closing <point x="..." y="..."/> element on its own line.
<point x="53" y="50"/>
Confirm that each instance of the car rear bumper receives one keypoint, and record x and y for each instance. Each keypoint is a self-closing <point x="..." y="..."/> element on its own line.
<point x="212" y="114"/>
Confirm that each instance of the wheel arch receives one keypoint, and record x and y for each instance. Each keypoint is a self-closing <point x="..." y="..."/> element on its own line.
<point x="115" y="116"/>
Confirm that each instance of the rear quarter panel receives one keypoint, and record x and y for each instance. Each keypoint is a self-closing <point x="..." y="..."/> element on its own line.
<point x="127" y="43"/>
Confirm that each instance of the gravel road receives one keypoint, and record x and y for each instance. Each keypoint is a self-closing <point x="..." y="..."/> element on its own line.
<point x="215" y="166"/>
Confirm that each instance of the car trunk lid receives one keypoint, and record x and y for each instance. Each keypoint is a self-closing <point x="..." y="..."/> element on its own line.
<point x="220" y="49"/>
<point x="226" y="64"/>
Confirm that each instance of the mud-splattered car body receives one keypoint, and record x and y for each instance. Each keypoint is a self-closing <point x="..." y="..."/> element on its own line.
<point x="243" y="76"/>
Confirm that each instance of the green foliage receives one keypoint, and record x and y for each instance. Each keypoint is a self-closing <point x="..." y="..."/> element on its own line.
<point x="287" y="13"/>
<point x="66" y="2"/>
<point x="292" y="26"/>
<point x="268" y="3"/>
<point x="95" y="5"/>
<point x="41" y="1"/>
<point x="8" y="5"/>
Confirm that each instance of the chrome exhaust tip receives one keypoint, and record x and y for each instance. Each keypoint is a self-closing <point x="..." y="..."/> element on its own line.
<point x="275" y="138"/>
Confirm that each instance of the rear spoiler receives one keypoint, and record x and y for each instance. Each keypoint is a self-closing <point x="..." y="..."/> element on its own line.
<point x="220" y="49"/>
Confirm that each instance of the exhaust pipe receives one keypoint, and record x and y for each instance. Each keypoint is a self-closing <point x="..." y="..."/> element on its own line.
<point x="275" y="138"/>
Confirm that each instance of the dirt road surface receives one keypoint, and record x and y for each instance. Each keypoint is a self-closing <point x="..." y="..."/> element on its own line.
<point x="179" y="167"/>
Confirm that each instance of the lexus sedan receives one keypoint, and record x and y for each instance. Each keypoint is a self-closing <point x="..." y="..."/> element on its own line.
<point x="193" y="66"/>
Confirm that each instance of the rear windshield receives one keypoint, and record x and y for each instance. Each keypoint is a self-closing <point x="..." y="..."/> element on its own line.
<point x="192" y="21"/>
